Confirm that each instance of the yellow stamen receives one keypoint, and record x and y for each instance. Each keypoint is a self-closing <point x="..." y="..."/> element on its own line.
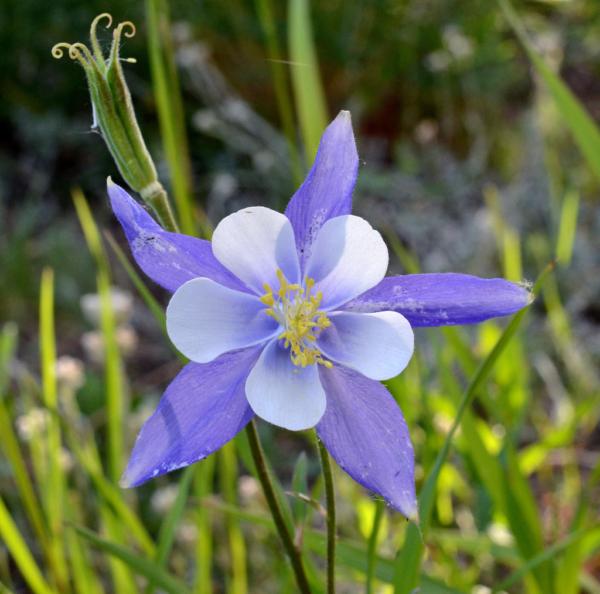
<point x="297" y="310"/>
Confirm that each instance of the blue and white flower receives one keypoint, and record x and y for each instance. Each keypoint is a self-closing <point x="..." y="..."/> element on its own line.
<point x="290" y="317"/>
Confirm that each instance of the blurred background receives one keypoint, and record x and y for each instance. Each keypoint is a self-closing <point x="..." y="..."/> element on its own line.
<point x="472" y="160"/>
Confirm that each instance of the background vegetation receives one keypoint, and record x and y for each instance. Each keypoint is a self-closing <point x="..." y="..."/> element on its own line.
<point x="475" y="158"/>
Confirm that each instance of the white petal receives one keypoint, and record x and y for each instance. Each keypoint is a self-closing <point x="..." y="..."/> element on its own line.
<point x="282" y="393"/>
<point x="253" y="243"/>
<point x="205" y="320"/>
<point x="348" y="257"/>
<point x="378" y="345"/>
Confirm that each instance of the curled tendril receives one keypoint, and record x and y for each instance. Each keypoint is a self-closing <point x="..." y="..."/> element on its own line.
<point x="79" y="51"/>
<point x="76" y="51"/>
<point x="131" y="27"/>
<point x="126" y="28"/>
<point x="96" y="21"/>
<point x="94" y="35"/>
<point x="58" y="50"/>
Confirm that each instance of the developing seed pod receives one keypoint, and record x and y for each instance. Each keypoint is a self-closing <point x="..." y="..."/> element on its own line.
<point x="113" y="113"/>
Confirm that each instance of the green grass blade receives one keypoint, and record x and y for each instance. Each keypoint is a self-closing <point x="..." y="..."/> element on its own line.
<point x="350" y="555"/>
<point x="54" y="488"/>
<point x="567" y="228"/>
<point x="204" y="548"/>
<point x="88" y="458"/>
<point x="8" y="347"/>
<point x="408" y="561"/>
<point x="582" y="126"/>
<point x="571" y="564"/>
<point x="166" y="535"/>
<point x="372" y="547"/>
<point x="170" y="110"/>
<point x="10" y="443"/>
<point x="114" y="379"/>
<point x="122" y="577"/>
<point x="140" y="565"/>
<point x="85" y="580"/>
<point x="16" y="545"/>
<point x="306" y="81"/>
<point x="300" y="485"/>
<point x="541" y="558"/>
<point x="243" y="448"/>
<point x="266" y="16"/>
<point x="523" y="517"/>
<point x="237" y="547"/>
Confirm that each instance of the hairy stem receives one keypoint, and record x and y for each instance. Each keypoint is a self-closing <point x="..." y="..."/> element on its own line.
<point x="330" y="499"/>
<point x="264" y="477"/>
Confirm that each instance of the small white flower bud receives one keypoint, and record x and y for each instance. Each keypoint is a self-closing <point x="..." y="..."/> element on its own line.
<point x="163" y="499"/>
<point x="70" y="373"/>
<point x="32" y="424"/>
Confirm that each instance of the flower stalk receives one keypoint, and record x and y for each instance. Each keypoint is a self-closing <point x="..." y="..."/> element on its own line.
<point x="331" y="515"/>
<point x="114" y="115"/>
<point x="262" y="471"/>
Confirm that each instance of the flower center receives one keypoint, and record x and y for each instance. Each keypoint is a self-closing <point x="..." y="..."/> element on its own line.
<point x="296" y="308"/>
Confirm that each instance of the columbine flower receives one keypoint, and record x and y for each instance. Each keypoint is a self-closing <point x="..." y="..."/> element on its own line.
<point x="289" y="317"/>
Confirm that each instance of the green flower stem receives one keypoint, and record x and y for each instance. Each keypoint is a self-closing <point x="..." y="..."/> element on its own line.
<point x="330" y="498"/>
<point x="262" y="471"/>
<point x="156" y="196"/>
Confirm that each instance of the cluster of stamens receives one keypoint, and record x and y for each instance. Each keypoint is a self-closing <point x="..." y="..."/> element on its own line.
<point x="296" y="308"/>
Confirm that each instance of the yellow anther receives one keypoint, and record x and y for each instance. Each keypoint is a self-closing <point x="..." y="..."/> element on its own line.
<point x="297" y="310"/>
<point x="268" y="299"/>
